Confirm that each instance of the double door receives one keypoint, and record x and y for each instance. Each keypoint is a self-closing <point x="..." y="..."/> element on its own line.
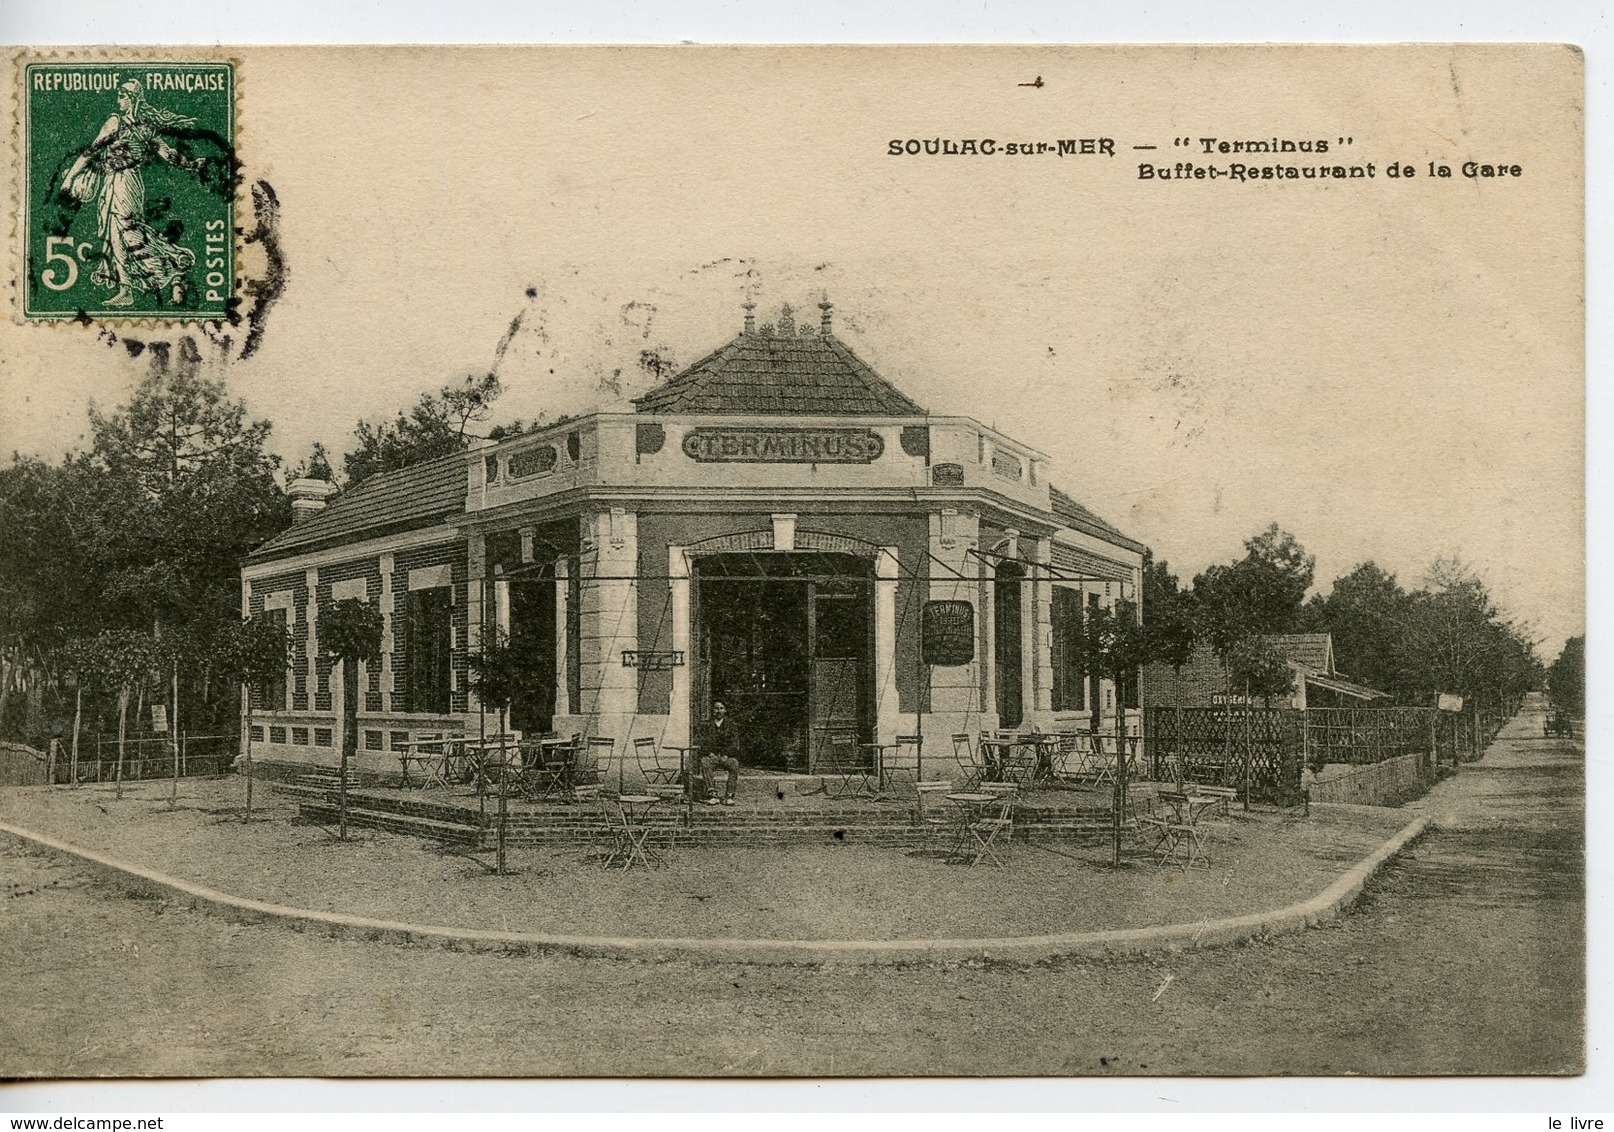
<point x="790" y="657"/>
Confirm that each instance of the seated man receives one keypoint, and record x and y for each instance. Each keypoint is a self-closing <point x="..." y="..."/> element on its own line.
<point x="718" y="751"/>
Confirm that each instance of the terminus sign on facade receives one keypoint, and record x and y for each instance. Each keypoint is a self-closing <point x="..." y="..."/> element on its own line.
<point x="784" y="445"/>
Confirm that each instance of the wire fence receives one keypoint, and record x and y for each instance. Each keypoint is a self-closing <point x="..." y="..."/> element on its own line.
<point x="199" y="756"/>
<point x="1272" y="746"/>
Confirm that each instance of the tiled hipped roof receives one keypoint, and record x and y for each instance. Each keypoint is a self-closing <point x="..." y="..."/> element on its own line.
<point x="812" y="375"/>
<point x="419" y="496"/>
<point x="1081" y="519"/>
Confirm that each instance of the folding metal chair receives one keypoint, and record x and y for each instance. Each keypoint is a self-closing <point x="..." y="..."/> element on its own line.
<point x="592" y="755"/>
<point x="657" y="771"/>
<point x="973" y="766"/>
<point x="1019" y="760"/>
<point x="1182" y="837"/>
<point x="904" y="760"/>
<point x="596" y="820"/>
<point x="844" y="759"/>
<point x="991" y="833"/>
<point x="1067" y="746"/>
<point x="935" y="821"/>
<point x="555" y="763"/>
<point x="1101" y="764"/>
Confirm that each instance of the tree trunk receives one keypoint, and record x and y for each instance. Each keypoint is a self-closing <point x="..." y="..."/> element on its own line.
<point x="247" y="758"/>
<point x="78" y="722"/>
<point x="504" y="756"/>
<point x="350" y="737"/>
<point x="173" y="734"/>
<point x="123" y="730"/>
<point x="1120" y="779"/>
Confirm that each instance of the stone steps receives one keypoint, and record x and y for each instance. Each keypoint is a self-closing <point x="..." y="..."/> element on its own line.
<point x="894" y="824"/>
<point x="326" y="813"/>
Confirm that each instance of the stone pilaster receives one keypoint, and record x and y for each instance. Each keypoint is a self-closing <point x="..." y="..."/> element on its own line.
<point x="608" y="624"/>
<point x="678" y="589"/>
<point x="955" y="692"/>
<point x="888" y="721"/>
<point x="1039" y="636"/>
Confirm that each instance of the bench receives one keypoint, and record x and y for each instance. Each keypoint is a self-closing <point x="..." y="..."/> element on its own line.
<point x="1224" y="796"/>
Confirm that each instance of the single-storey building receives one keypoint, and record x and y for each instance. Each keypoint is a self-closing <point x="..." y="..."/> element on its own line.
<point x="1203" y="682"/>
<point x="771" y="528"/>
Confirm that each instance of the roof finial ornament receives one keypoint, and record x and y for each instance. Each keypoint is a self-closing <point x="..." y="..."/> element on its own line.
<point x="826" y="307"/>
<point x="750" y="308"/>
<point x="787" y="321"/>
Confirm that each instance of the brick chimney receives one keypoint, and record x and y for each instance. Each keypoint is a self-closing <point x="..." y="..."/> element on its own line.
<point x="308" y="497"/>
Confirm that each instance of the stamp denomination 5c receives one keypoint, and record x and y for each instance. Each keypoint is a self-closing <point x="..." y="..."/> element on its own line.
<point x="128" y="190"/>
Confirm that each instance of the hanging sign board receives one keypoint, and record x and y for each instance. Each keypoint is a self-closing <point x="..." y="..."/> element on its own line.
<point x="653" y="661"/>
<point x="1450" y="703"/>
<point x="947" y="633"/>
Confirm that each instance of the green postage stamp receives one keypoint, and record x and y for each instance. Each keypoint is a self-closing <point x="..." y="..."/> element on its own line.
<point x="128" y="193"/>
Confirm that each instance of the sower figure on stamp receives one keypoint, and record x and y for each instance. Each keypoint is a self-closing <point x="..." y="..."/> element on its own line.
<point x="134" y="257"/>
<point x="718" y="752"/>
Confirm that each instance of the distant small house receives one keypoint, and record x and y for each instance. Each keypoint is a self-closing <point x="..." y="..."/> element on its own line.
<point x="1202" y="682"/>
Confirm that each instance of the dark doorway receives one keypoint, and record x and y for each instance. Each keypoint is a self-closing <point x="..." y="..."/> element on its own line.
<point x="786" y="642"/>
<point x="532" y="634"/>
<point x="1007" y="603"/>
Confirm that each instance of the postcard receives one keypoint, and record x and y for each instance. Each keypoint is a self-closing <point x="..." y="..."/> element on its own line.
<point x="793" y="561"/>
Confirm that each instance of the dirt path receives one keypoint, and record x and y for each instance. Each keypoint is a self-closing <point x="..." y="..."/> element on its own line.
<point x="1467" y="956"/>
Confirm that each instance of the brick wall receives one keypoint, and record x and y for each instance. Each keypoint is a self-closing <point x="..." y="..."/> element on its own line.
<point x="447" y="554"/>
<point x="370" y="570"/>
<point x="297" y="624"/>
<point x="1381" y="784"/>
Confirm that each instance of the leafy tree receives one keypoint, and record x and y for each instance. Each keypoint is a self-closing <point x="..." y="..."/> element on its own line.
<point x="317" y="466"/>
<point x="252" y="653"/>
<point x="1566" y="679"/>
<point x="49" y="592"/>
<point x="124" y="660"/>
<point x="1260" y="668"/>
<point x="1260" y="593"/>
<point x="185" y="491"/>
<point x="438" y="425"/>
<point x="1457" y="640"/>
<point x="505" y="667"/>
<point x="77" y="660"/>
<point x="1119" y="643"/>
<point x="350" y="632"/>
<point x="1364" y="613"/>
<point x="1168" y="613"/>
<point x="1255" y="664"/>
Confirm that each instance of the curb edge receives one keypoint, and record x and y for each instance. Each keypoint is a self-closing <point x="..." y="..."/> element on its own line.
<point x="1325" y="907"/>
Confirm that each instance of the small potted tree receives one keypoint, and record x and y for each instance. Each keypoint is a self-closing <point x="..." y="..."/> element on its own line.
<point x="350" y="632"/>
<point x="1118" y="644"/>
<point x="77" y="658"/>
<point x="504" y="667"/>
<point x="1254" y="664"/>
<point x="252" y="653"/>
<point x="124" y="660"/>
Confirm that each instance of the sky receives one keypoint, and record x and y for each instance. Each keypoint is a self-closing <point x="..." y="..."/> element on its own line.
<point x="1389" y="368"/>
